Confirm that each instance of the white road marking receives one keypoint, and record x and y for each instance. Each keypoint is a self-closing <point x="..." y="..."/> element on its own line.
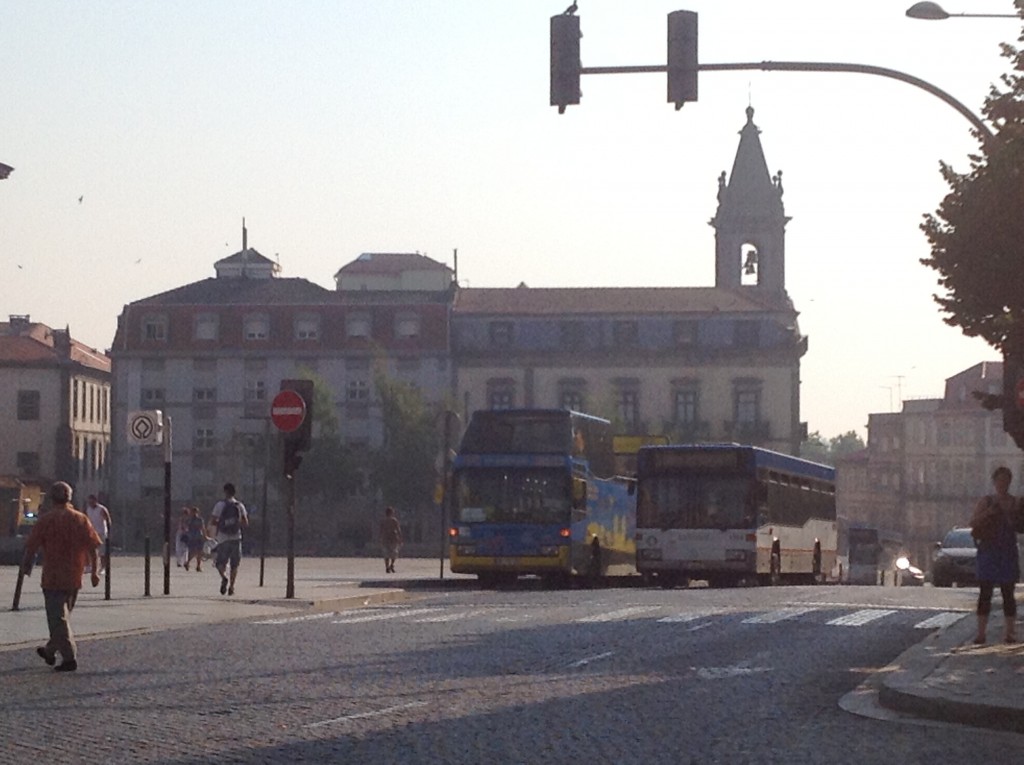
<point x="940" y="620"/>
<point x="622" y="613"/>
<point x="294" y="619"/>
<point x="721" y="673"/>
<point x="862" y="617"/>
<point x="696" y="627"/>
<point x="773" y="617"/>
<point x="362" y="715"/>
<point x="586" y="661"/>
<point x="896" y="606"/>
<point x="383" y="615"/>
<point x="451" y="617"/>
<point x="686" y="617"/>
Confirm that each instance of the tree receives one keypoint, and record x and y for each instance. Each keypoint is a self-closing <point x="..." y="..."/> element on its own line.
<point x="977" y="233"/>
<point x="817" y="449"/>
<point x="845" y="443"/>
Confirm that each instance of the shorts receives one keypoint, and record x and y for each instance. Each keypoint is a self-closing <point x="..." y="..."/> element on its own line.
<point x="229" y="551"/>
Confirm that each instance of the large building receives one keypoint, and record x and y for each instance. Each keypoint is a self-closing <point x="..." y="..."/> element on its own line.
<point x="925" y="467"/>
<point x="54" y="413"/>
<point x="715" y="363"/>
<point x="695" y="363"/>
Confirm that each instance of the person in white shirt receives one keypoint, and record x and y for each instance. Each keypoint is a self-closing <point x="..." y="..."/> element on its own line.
<point x="99" y="517"/>
<point x="228" y="518"/>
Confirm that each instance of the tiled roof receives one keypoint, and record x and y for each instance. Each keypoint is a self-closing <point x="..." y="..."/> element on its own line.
<point x="35" y="350"/>
<point x="243" y="291"/>
<point x="527" y="301"/>
<point x="390" y="263"/>
<point x="246" y="256"/>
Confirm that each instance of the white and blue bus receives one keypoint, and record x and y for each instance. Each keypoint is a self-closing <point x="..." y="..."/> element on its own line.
<point x="728" y="513"/>
<point x="534" y="492"/>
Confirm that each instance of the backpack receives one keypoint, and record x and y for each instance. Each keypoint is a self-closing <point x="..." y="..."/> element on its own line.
<point x="230" y="518"/>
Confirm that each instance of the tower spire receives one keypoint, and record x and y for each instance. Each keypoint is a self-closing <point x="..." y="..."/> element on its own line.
<point x="245" y="236"/>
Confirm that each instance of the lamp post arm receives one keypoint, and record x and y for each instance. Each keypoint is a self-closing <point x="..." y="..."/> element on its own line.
<point x="814" y="66"/>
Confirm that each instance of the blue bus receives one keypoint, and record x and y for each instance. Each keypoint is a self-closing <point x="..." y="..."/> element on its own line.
<point x="728" y="513"/>
<point x="534" y="492"/>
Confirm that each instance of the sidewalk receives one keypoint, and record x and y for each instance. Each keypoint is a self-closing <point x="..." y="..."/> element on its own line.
<point x="320" y="584"/>
<point x="946" y="677"/>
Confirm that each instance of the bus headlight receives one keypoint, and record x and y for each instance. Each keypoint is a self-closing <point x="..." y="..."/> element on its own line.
<point x="650" y="554"/>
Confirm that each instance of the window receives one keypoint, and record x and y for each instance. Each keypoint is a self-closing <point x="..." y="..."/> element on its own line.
<point x="256" y="327"/>
<point x="684" y="332"/>
<point x="74" y="399"/>
<point x="746" y="334"/>
<point x="154" y="328"/>
<point x="307" y="327"/>
<point x="501" y="333"/>
<point x="28" y="463"/>
<point x="204" y="394"/>
<point x="684" y="406"/>
<point x="28" y="405"/>
<point x="571" y="398"/>
<point x="357" y="325"/>
<point x="203" y="439"/>
<point x="625" y="334"/>
<point x="407" y="325"/>
<point x="571" y="335"/>
<point x="747" y="404"/>
<point x="206" y="326"/>
<point x="357" y="390"/>
<point x="152" y="397"/>
<point x="627" y="408"/>
<point x="255" y="390"/>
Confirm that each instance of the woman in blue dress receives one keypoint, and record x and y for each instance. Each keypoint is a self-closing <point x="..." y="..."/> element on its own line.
<point x="993" y="524"/>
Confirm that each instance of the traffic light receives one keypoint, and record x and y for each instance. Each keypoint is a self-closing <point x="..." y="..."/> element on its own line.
<point x="682" y="57"/>
<point x="300" y="439"/>
<point x="565" y="60"/>
<point x="1013" y="397"/>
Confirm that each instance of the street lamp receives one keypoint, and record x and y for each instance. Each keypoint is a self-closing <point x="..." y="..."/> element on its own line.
<point x="935" y="12"/>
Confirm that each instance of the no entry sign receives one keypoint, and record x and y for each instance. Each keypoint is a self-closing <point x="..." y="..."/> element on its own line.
<point x="287" y="411"/>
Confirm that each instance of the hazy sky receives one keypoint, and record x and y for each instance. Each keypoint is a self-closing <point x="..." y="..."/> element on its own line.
<point x="342" y="127"/>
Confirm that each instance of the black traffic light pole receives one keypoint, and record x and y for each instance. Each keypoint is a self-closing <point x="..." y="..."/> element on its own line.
<point x="683" y="65"/>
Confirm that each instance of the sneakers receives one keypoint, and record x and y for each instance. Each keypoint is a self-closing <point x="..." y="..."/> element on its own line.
<point x="223" y="584"/>
<point x="50" y="660"/>
<point x="66" y="666"/>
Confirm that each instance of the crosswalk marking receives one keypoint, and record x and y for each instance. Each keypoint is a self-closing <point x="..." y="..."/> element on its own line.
<point x="940" y="620"/>
<point x="618" y="615"/>
<point x="686" y="617"/>
<point x="450" y="617"/>
<point x="381" y="615"/>
<point x="862" y="617"/>
<point x="773" y="617"/>
<point x="294" y="619"/>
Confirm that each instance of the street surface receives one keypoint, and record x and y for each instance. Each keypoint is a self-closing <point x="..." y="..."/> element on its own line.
<point x="520" y="675"/>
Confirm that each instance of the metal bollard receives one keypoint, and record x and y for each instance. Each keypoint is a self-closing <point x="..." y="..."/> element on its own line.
<point x="146" y="593"/>
<point x="17" y="588"/>
<point x="106" y="569"/>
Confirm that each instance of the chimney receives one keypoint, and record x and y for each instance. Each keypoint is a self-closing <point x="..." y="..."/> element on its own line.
<point x="19" y="323"/>
<point x="62" y="342"/>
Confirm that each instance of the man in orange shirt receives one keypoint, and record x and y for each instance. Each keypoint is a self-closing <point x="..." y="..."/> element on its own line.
<point x="68" y="541"/>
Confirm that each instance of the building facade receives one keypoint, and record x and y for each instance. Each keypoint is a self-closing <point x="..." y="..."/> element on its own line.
<point x="925" y="467"/>
<point x="55" y="411"/>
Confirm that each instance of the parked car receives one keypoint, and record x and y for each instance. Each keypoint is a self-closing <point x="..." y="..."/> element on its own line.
<point x="954" y="559"/>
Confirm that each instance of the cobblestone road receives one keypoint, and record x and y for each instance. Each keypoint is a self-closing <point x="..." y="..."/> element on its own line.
<point x="688" y="676"/>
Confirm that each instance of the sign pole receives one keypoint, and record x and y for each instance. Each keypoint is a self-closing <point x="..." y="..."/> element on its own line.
<point x="167" y="505"/>
<point x="263" y="517"/>
<point x="290" y="585"/>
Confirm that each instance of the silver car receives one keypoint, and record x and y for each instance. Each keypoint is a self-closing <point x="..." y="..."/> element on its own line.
<point x="954" y="559"/>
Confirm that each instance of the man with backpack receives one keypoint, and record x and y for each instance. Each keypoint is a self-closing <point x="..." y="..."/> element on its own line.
<point x="228" y="518"/>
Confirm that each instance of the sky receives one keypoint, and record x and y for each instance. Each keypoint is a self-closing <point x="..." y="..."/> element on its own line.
<point x="142" y="133"/>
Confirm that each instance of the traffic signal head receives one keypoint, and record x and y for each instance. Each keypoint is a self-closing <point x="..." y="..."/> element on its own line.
<point x="682" y="57"/>
<point x="292" y="459"/>
<point x="565" y="60"/>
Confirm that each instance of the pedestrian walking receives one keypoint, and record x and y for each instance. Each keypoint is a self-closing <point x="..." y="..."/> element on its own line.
<point x="68" y="540"/>
<point x="181" y="537"/>
<point x="994" y="525"/>
<point x="228" y="518"/>
<point x="195" y="536"/>
<point x="99" y="517"/>
<point x="390" y="539"/>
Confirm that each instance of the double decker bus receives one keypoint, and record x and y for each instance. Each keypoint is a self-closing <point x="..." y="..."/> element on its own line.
<point x="729" y="513"/>
<point x="534" y="492"/>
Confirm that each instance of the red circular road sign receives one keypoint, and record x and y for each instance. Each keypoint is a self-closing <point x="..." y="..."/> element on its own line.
<point x="1019" y="390"/>
<point x="287" y="411"/>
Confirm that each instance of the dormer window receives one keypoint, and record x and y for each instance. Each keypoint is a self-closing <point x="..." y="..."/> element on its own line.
<point x="357" y="325"/>
<point x="154" y="328"/>
<point x="407" y="325"/>
<point x="206" y="326"/>
<point x="307" y="327"/>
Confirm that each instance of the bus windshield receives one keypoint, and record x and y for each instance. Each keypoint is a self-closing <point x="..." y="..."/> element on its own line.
<point x="695" y="502"/>
<point x="507" y="495"/>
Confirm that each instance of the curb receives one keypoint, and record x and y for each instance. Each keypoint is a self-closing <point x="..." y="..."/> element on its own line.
<point x="904" y="688"/>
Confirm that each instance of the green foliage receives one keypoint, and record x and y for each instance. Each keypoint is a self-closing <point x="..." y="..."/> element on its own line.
<point x="977" y="233"/>
<point x="817" y="449"/>
<point x="403" y="468"/>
